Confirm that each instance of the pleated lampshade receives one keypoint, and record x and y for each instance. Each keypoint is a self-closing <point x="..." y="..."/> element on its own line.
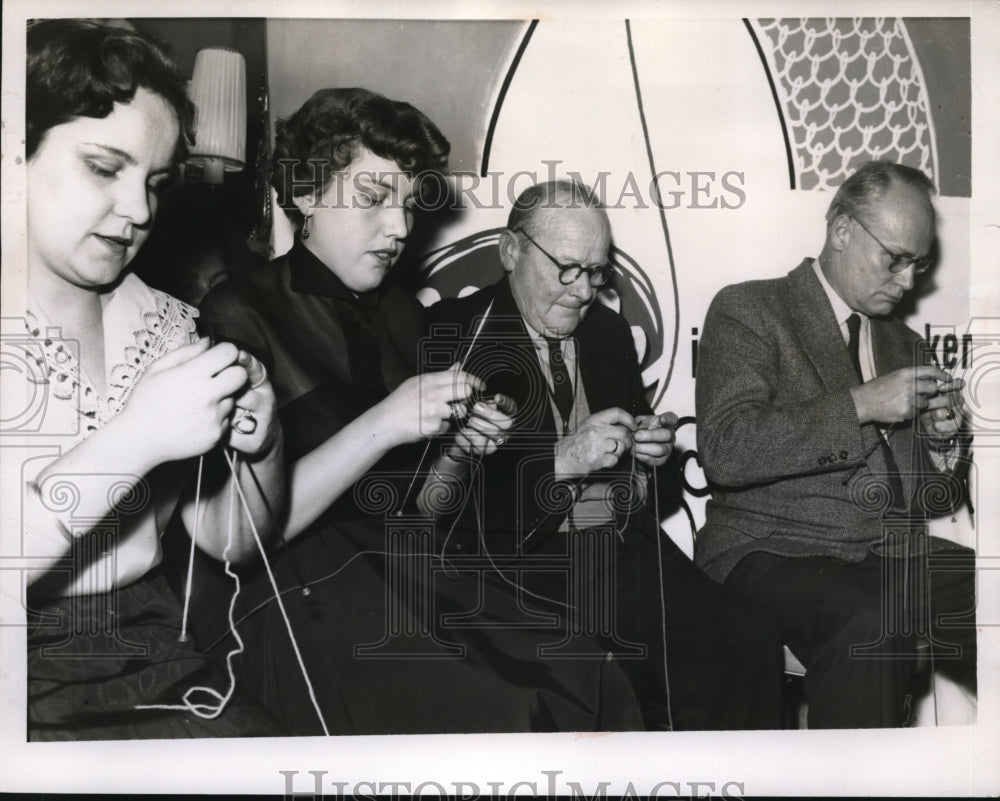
<point x="218" y="91"/>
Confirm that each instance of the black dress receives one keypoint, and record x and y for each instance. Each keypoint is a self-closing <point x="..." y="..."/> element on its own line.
<point x="367" y="621"/>
<point x="112" y="667"/>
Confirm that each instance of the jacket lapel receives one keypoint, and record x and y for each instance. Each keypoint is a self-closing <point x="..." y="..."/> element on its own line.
<point x="815" y="324"/>
<point x="816" y="327"/>
<point x="521" y="375"/>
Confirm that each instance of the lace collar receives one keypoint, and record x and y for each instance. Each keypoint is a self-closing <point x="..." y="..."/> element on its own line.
<point x="141" y="324"/>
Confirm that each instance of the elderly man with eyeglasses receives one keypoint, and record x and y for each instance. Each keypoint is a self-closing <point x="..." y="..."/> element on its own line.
<point x="565" y="508"/>
<point x="829" y="439"/>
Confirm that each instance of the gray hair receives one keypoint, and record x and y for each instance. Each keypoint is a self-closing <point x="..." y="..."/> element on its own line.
<point x="861" y="192"/>
<point x="560" y="194"/>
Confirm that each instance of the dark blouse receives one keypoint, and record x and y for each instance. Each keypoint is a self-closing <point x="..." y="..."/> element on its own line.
<point x="330" y="354"/>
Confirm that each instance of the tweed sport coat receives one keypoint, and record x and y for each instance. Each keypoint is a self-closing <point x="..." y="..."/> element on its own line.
<point x="790" y="467"/>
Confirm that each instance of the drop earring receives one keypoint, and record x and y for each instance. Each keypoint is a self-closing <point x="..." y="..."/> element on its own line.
<point x="305" y="227"/>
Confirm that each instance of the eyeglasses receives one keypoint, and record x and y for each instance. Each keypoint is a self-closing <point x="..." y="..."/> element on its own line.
<point x="568" y="273"/>
<point x="900" y="261"/>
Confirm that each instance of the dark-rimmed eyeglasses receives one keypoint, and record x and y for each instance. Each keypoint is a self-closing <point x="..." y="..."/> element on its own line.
<point x="900" y="261"/>
<point x="568" y="273"/>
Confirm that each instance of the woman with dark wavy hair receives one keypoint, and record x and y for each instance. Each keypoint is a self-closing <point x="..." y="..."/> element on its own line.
<point x="131" y="398"/>
<point x="341" y="341"/>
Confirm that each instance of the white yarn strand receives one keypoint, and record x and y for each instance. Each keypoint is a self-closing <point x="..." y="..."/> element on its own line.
<point x="663" y="601"/>
<point x="194" y="541"/>
<point x="277" y="598"/>
<point x="206" y="710"/>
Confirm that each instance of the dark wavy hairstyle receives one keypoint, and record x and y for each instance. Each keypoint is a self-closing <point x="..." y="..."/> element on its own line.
<point x="81" y="68"/>
<point x="323" y="137"/>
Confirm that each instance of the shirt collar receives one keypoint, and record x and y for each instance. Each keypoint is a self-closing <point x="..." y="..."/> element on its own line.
<point x="541" y="343"/>
<point x="537" y="338"/>
<point x="309" y="275"/>
<point x="840" y="309"/>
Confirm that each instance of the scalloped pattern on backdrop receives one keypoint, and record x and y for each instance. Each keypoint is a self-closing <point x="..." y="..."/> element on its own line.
<point x="848" y="91"/>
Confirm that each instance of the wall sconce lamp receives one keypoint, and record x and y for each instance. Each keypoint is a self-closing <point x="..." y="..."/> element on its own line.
<point x="218" y="91"/>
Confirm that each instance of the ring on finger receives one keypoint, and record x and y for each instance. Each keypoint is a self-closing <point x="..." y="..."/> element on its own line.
<point x="244" y="422"/>
<point x="500" y="440"/>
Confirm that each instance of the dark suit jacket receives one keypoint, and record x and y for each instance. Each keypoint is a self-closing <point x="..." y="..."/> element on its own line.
<point x="791" y="468"/>
<point x="521" y="496"/>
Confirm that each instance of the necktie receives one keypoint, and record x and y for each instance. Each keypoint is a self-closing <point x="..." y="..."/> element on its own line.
<point x="562" y="387"/>
<point x="853" y="344"/>
<point x="853" y="348"/>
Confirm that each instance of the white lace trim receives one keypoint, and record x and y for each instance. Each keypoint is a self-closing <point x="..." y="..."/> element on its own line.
<point x="157" y="332"/>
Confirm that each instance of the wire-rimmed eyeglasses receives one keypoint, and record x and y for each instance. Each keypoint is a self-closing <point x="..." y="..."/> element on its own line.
<point x="900" y="261"/>
<point x="568" y="273"/>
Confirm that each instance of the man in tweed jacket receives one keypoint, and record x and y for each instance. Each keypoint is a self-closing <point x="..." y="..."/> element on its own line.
<point x="825" y="465"/>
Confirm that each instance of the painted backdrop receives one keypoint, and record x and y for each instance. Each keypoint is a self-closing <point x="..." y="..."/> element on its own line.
<point x="715" y="145"/>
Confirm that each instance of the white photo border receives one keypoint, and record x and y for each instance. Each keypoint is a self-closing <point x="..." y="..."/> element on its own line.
<point x="946" y="761"/>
